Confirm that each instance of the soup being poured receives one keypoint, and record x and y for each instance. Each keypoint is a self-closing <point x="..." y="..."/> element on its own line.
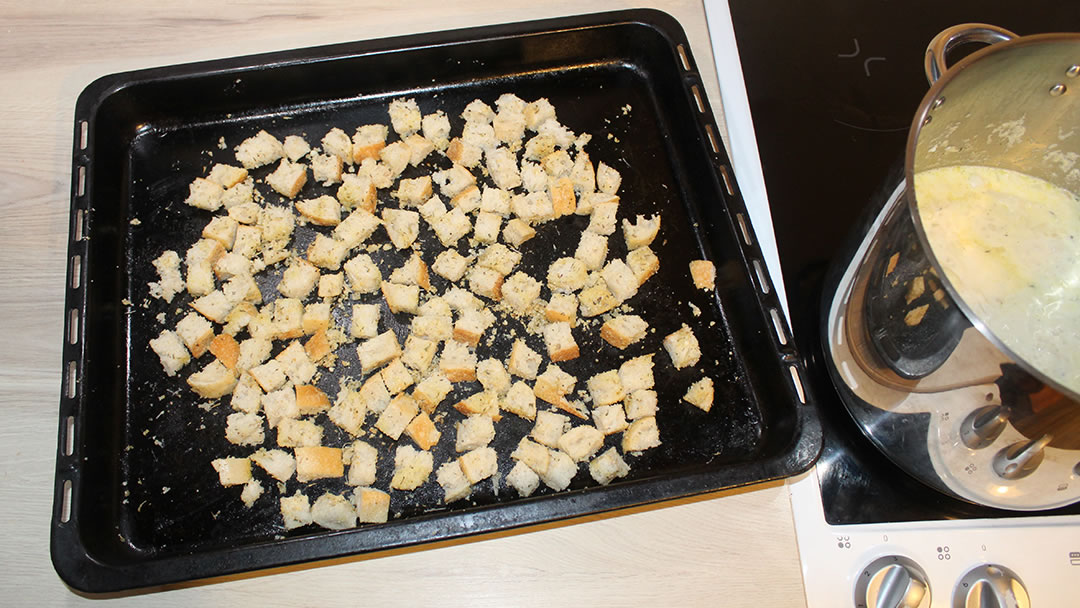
<point x="1010" y="245"/>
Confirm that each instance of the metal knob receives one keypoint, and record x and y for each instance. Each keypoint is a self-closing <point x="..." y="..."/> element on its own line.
<point x="990" y="586"/>
<point x="892" y="581"/>
<point x="1020" y="459"/>
<point x="981" y="427"/>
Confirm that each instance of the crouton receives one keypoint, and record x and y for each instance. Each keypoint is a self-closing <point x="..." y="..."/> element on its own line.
<point x="362" y="464"/>
<point x="258" y="150"/>
<point x="171" y="351"/>
<point x="318" y="462"/>
<point x="623" y="330"/>
<point x="608" y="466"/>
<point x="641" y="435"/>
<point x="476" y="431"/>
<point x="458" y="362"/>
<point x="288" y="178"/>
<point x="700" y="394"/>
<point x="244" y="429"/>
<point x="581" y="442"/>
<point x="378" y="351"/>
<point x="372" y="506"/>
<point x="454" y="483"/>
<point x="213" y="381"/>
<point x="560" y="341"/>
<point x="606" y="388"/>
<point x="322" y="211"/>
<point x="411" y="468"/>
<point x="524" y="362"/>
<point x="401" y="298"/>
<point x="683" y="347"/>
<point x="643" y="263"/>
<point x="704" y="274"/>
<point x="232" y="471"/>
<point x="479" y="464"/>
<point x="393" y="420"/>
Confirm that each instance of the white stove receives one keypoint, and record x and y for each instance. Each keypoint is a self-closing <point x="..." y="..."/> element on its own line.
<point x="938" y="562"/>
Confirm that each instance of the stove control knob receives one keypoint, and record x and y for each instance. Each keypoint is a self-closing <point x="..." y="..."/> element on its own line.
<point x="981" y="427"/>
<point x="990" y="586"/>
<point x="1020" y="459"/>
<point x="892" y="581"/>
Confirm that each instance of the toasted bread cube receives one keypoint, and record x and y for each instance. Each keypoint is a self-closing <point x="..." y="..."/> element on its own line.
<point x="279" y="464"/>
<point x="316" y="317"/>
<point x="524" y="361"/>
<point x="295" y="511"/>
<point x="451" y="226"/>
<point x="296" y="363"/>
<point x="318" y="462"/>
<point x="486" y="282"/>
<point x="171" y="351"/>
<point x="503" y="168"/>
<point x="532" y="454"/>
<point x="461" y="300"/>
<point x="560" y="341"/>
<point x="405" y="117"/>
<point x="581" y="442"/>
<point x="248" y="240"/>
<point x="620" y="280"/>
<point x="486" y="228"/>
<point x="226" y="349"/>
<point x="641" y="233"/>
<point x="517" y="232"/>
<point x="642" y="434"/>
<point x="221" y="229"/>
<point x="288" y="178"/>
<point x="558" y="163"/>
<point x="238" y="194"/>
<point x="566" y="275"/>
<point x="454" y="483"/>
<point x="436" y="129"/>
<point x="520" y="400"/>
<point x="213" y="381"/>
<point x="479" y="464"/>
<point x="196" y="332"/>
<point x="411" y="468"/>
<point x="311" y="400"/>
<point x="463" y="153"/>
<point x="244" y="429"/>
<point x="553" y="385"/>
<point x="523" y="479"/>
<point x="610" y="419"/>
<point x="606" y="388"/>
<point x="549" y="427"/>
<point x="393" y="420"/>
<point x="520" y="291"/>
<point x="582" y="174"/>
<point x="357" y="192"/>
<point x="288" y="318"/>
<point x="485" y="402"/>
<point x="295" y="147"/>
<point x="468" y="200"/>
<point x="640" y="403"/>
<point x="374" y="394"/>
<point x="433" y="327"/>
<point x="298" y="280"/>
<point x="277" y="223"/>
<point x="414" y="192"/>
<point x="474" y="432"/>
<point x="365" y="321"/>
<point x="592" y="250"/>
<point x="533" y="178"/>
<point x="637" y="373"/>
<point x="245" y="214"/>
<point x="253" y="351"/>
<point x="378" y="351"/>
<point x="643" y="263"/>
<point x="431" y="391"/>
<point x="450" y="265"/>
<point x="338" y="143"/>
<point x="396" y="377"/>
<point x="432" y="210"/>
<point x="596" y="300"/>
<point x="326" y="168"/>
<point x="270" y="376"/>
<point x="292" y="433"/>
<point x="232" y="471"/>
<point x="700" y="394"/>
<point x="214" y="306"/>
<point x="372" y="506"/>
<point x="318" y="346"/>
<point x="204" y="194"/>
<point x="683" y="347"/>
<point x="363" y="274"/>
<point x="704" y="274"/>
<point x="280" y="405"/>
<point x="562" y="307"/>
<point x="331" y="285"/>
<point x="454" y="180"/>
<point x="171" y="280"/>
<point x="348" y="413"/>
<point x="623" y="330"/>
<point x="367" y="141"/>
<point x="230" y="265"/>
<point x="493" y="376"/>
<point x="495" y="200"/>
<point x="402" y="226"/>
<point x="607" y="179"/>
<point x="538" y="112"/>
<point x="561" y="470"/>
<point x="333" y="512"/>
<point x="563" y="201"/>
<point x="499" y="258"/>
<point x="419" y="352"/>
<point x="322" y="211"/>
<point x="401" y="298"/>
<point x="606" y="467"/>
<point x="422" y="431"/>
<point x="226" y="176"/>
<point x="533" y="208"/>
<point x="603" y="218"/>
<point x="362" y="464"/>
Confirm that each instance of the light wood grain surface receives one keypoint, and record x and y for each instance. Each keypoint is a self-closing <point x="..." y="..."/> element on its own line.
<point x="736" y="549"/>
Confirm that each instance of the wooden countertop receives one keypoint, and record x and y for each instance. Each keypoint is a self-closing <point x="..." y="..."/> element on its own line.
<point x="731" y="549"/>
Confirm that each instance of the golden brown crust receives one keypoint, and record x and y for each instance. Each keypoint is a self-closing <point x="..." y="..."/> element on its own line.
<point x="422" y="431"/>
<point x="562" y="197"/>
<point x="226" y="349"/>
<point x="318" y="346"/>
<point x="369" y="151"/>
<point x="318" y="462"/>
<point x="565" y="354"/>
<point x="310" y="399"/>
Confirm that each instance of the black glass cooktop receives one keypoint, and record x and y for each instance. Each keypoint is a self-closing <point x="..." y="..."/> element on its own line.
<point x="833" y="86"/>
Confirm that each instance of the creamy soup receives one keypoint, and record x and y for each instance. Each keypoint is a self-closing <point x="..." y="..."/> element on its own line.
<point x="1010" y="245"/>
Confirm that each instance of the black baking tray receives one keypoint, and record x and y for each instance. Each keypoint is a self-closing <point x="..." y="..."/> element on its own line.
<point x="136" y="501"/>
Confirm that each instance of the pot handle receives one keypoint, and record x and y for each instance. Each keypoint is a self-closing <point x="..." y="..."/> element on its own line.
<point x="934" y="62"/>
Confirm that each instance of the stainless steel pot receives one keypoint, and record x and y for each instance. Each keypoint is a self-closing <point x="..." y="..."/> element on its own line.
<point x="953" y="395"/>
